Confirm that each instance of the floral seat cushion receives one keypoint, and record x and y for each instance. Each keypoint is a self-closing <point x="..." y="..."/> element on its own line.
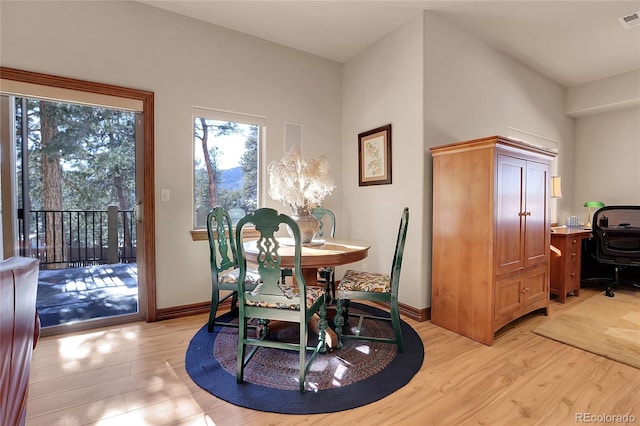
<point x="291" y="292"/>
<point x="365" y="281"/>
<point x="232" y="276"/>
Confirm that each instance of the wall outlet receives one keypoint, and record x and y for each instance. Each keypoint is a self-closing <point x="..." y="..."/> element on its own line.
<point x="165" y="195"/>
<point x="364" y="267"/>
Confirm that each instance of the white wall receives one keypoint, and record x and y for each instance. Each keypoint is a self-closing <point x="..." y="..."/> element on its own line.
<point x="612" y="93"/>
<point x="471" y="90"/>
<point x="186" y="63"/>
<point x="382" y="85"/>
<point x="468" y="90"/>
<point x="607" y="153"/>
<point x="607" y="159"/>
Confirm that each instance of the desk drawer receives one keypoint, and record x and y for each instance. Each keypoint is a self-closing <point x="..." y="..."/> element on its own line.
<point x="573" y="248"/>
<point x="565" y="265"/>
<point x="572" y="277"/>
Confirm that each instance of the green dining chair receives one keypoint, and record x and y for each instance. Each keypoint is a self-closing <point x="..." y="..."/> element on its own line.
<point x="327" y="274"/>
<point x="375" y="287"/>
<point x="272" y="300"/>
<point x="321" y="213"/>
<point x="224" y="265"/>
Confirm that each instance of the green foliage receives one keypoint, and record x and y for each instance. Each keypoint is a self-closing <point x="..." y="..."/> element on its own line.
<point x="249" y="163"/>
<point x="95" y="148"/>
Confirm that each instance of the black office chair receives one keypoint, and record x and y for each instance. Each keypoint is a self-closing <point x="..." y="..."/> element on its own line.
<point x="616" y="233"/>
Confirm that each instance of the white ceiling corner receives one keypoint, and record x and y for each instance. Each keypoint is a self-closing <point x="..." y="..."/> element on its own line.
<point x="571" y="42"/>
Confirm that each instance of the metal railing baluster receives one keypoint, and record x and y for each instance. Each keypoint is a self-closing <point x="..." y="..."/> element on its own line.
<point x="78" y="237"/>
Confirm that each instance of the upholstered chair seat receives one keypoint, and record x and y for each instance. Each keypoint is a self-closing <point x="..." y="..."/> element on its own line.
<point x="374" y="282"/>
<point x="231" y="277"/>
<point x="291" y="292"/>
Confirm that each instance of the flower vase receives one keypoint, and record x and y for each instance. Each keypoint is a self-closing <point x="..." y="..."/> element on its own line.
<point x="308" y="224"/>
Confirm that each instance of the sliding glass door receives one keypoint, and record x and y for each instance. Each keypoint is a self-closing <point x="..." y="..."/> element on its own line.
<point x="72" y="183"/>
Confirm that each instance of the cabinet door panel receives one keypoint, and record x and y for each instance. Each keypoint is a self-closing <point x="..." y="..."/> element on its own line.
<point x="537" y="237"/>
<point x="535" y="287"/>
<point x="508" y="295"/>
<point x="509" y="219"/>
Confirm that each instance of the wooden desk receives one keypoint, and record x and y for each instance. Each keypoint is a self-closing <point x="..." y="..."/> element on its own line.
<point x="566" y="253"/>
<point x="333" y="252"/>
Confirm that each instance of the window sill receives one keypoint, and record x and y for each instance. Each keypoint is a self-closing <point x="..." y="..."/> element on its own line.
<point x="199" y="235"/>
<point x="249" y="232"/>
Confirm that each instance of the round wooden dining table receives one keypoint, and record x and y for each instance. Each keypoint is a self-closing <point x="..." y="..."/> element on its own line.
<point x="315" y="255"/>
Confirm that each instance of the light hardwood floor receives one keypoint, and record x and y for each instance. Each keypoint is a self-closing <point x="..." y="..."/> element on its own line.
<point x="134" y="375"/>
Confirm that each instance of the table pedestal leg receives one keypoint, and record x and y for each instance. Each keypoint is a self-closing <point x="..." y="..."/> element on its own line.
<point x="310" y="276"/>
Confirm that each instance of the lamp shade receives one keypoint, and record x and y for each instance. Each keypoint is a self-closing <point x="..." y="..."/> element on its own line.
<point x="594" y="204"/>
<point x="589" y="205"/>
<point x="556" y="187"/>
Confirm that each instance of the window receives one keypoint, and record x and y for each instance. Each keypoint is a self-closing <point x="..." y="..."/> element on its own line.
<point x="225" y="163"/>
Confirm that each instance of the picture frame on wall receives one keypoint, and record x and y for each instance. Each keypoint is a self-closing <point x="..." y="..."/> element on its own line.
<point x="374" y="156"/>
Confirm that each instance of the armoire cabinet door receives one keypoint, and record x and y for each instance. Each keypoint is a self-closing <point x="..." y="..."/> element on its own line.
<point x="513" y="295"/>
<point x="509" y="244"/>
<point x="508" y="298"/>
<point x="535" y="285"/>
<point x="522" y="239"/>
<point x="537" y="237"/>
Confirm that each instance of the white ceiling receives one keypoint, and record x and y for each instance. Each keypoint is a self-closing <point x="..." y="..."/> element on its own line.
<point x="571" y="42"/>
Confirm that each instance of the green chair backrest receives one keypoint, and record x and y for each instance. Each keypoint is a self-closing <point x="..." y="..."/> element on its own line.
<point x="267" y="222"/>
<point x="397" y="257"/>
<point x="319" y="213"/>
<point x="222" y="247"/>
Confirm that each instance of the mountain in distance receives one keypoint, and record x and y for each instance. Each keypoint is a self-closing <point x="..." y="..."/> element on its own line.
<point x="231" y="179"/>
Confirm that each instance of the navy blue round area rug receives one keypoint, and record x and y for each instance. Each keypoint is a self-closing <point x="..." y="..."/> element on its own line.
<point x="357" y="374"/>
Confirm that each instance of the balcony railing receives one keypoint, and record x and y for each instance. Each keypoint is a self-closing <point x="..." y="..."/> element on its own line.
<point x="74" y="238"/>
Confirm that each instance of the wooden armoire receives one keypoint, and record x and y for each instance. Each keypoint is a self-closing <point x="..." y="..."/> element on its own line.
<point x="491" y="234"/>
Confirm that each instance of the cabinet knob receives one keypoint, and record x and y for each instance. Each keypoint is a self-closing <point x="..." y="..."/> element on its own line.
<point x="573" y="254"/>
<point x="573" y="275"/>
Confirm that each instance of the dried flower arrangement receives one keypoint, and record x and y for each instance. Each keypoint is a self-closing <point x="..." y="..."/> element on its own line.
<point x="299" y="182"/>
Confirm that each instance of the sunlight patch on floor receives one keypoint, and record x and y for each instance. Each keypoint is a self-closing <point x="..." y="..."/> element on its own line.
<point x="91" y="346"/>
<point x="340" y="372"/>
<point x="78" y="347"/>
<point x="364" y="349"/>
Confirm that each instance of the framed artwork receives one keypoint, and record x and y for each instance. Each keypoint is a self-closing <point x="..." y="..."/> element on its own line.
<point x="374" y="156"/>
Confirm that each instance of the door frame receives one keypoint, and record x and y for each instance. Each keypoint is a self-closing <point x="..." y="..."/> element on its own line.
<point x="146" y="194"/>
